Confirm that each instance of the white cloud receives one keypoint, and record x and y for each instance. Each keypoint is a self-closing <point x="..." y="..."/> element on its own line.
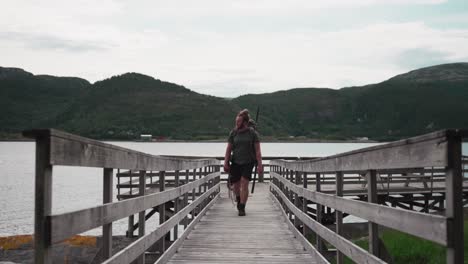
<point x="95" y="40"/>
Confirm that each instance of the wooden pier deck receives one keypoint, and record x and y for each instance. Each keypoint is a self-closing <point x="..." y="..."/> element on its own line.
<point x="260" y="237"/>
<point x="399" y="185"/>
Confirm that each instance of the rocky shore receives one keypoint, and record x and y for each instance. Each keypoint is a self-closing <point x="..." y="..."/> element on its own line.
<point x="78" y="249"/>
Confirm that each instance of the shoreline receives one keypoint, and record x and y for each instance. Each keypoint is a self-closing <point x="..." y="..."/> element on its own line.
<point x="218" y="141"/>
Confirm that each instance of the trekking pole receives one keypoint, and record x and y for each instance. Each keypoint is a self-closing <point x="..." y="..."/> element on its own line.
<point x="255" y="170"/>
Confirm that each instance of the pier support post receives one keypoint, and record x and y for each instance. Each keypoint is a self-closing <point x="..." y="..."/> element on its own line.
<point x="319" y="242"/>
<point x="162" y="211"/>
<point x="176" y="205"/>
<point x="339" y="215"/>
<point x="107" y="228"/>
<point x="305" y="229"/>
<point x="454" y="201"/>
<point x="372" y="198"/>
<point x="43" y="202"/>
<point x="141" y="215"/>
<point x="187" y="173"/>
<point x="297" y="181"/>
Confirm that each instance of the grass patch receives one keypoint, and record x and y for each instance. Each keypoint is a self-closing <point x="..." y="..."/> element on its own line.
<point x="406" y="248"/>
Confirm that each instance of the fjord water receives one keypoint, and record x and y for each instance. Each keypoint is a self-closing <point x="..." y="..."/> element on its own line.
<point x="77" y="187"/>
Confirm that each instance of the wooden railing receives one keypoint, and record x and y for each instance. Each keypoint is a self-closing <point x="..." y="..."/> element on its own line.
<point x="55" y="147"/>
<point x="128" y="180"/>
<point x="439" y="151"/>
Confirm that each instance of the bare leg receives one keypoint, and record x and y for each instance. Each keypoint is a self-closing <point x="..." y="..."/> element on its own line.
<point x="244" y="190"/>
<point x="236" y="188"/>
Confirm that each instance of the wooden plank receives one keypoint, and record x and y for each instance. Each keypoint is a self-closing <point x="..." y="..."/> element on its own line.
<point x="141" y="214"/>
<point x="187" y="173"/>
<point x="43" y="203"/>
<point x="318" y="240"/>
<point x="426" y="151"/>
<point x="260" y="237"/>
<point x="107" y="198"/>
<point x="372" y="198"/>
<point x="71" y="223"/>
<point x="176" y="205"/>
<point x="162" y="213"/>
<point x="345" y="246"/>
<point x="305" y="243"/>
<point x="132" y="251"/>
<point x="176" y="245"/>
<point x="72" y="150"/>
<point x="430" y="227"/>
<point x="339" y="214"/>
<point x="454" y="202"/>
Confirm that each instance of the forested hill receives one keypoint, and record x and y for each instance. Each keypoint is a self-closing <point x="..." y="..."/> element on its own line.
<point x="125" y="106"/>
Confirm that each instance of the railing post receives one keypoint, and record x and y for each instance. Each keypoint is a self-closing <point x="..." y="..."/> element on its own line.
<point x="454" y="201"/>
<point x="372" y="198"/>
<point x="339" y="215"/>
<point x="107" y="228"/>
<point x="162" y="211"/>
<point x="176" y="204"/>
<point x="200" y="175"/>
<point x="319" y="241"/>
<point x="291" y="193"/>
<point x="141" y="215"/>
<point x="194" y="193"/>
<point x="43" y="202"/>
<point x="187" y="173"/>
<point x="305" y="229"/>
<point x="297" y="222"/>
<point x="261" y="176"/>
<point x="131" y="223"/>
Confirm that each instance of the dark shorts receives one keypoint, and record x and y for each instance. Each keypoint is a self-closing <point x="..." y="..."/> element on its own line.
<point x="237" y="171"/>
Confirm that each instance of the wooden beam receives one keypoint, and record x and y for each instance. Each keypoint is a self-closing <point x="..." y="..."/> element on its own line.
<point x="162" y="213"/>
<point x="318" y="241"/>
<point x="107" y="198"/>
<point x="423" y="151"/>
<point x="430" y="227"/>
<point x="348" y="248"/>
<point x="132" y="251"/>
<point x="43" y="203"/>
<point x="372" y="198"/>
<point x="454" y="201"/>
<point x="72" y="150"/>
<point x="339" y="214"/>
<point x="141" y="214"/>
<point x="71" y="223"/>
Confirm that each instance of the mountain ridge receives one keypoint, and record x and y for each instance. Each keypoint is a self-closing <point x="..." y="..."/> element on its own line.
<point x="129" y="104"/>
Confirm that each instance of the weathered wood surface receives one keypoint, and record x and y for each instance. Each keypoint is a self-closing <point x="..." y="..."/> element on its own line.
<point x="345" y="246"/>
<point x="260" y="237"/>
<point x="431" y="227"/>
<point x="139" y="247"/>
<point x="71" y="223"/>
<point x="72" y="150"/>
<point x="429" y="150"/>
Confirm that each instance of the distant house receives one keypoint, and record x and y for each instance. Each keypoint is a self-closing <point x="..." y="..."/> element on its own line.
<point x="146" y="137"/>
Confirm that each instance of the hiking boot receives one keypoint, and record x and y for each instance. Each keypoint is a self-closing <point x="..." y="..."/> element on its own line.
<point x="241" y="208"/>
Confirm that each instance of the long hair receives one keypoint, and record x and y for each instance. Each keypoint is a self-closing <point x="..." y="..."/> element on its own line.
<point x="246" y="118"/>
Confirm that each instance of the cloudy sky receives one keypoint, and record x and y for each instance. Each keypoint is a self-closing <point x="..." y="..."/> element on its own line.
<point x="227" y="48"/>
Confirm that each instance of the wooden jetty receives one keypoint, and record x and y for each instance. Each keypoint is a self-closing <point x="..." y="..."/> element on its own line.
<point x="415" y="186"/>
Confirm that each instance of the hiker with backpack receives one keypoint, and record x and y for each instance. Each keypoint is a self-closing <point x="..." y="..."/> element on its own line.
<point x="244" y="145"/>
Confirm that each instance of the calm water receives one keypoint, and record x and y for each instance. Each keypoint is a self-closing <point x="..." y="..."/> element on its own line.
<point x="76" y="188"/>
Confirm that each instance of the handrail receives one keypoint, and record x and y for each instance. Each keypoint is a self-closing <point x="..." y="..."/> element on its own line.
<point x="71" y="150"/>
<point x="428" y="150"/>
<point x="54" y="147"/>
<point x="440" y="151"/>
